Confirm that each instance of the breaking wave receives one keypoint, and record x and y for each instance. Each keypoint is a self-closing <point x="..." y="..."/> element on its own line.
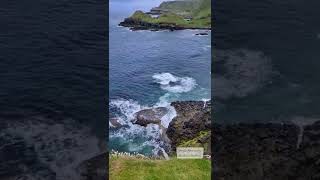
<point x="136" y="138"/>
<point x="173" y="83"/>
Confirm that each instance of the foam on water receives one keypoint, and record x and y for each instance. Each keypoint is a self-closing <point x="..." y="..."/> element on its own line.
<point x="137" y="137"/>
<point x="150" y="135"/>
<point x="130" y="132"/>
<point x="173" y="83"/>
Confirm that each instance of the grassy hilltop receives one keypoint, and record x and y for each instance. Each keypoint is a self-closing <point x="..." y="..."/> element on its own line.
<point x="124" y="168"/>
<point x="192" y="14"/>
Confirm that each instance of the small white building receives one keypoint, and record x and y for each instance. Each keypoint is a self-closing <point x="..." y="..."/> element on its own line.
<point x="155" y="15"/>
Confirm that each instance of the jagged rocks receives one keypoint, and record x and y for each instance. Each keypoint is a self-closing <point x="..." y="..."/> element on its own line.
<point x="94" y="168"/>
<point x="135" y="24"/>
<point x="192" y="118"/>
<point x="150" y="116"/>
<point x="265" y="151"/>
<point x="114" y="123"/>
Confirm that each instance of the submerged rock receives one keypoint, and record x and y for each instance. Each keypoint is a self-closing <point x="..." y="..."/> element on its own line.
<point x="202" y="34"/>
<point x="150" y="116"/>
<point x="114" y="123"/>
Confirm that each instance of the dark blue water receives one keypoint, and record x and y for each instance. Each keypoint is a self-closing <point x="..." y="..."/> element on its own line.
<point x="53" y="86"/>
<point x="150" y="69"/>
<point x="53" y="60"/>
<point x="287" y="34"/>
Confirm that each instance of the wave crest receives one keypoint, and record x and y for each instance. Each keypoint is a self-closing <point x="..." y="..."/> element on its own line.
<point x="173" y="83"/>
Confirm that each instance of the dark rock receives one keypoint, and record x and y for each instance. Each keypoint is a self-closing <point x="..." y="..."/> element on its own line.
<point x="192" y="118"/>
<point x="265" y="151"/>
<point x="94" y="168"/>
<point x="135" y="25"/>
<point x="150" y="116"/>
<point x="115" y="122"/>
<point x="202" y="34"/>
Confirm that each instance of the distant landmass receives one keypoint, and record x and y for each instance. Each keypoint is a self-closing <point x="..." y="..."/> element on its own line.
<point x="172" y="15"/>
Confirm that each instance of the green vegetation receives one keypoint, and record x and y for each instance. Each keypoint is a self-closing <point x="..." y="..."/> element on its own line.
<point x="122" y="168"/>
<point x="179" y="7"/>
<point x="196" y="142"/>
<point x="185" y="14"/>
<point x="203" y="13"/>
<point x="168" y="18"/>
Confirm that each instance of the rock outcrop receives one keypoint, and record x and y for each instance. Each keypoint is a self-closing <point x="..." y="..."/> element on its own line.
<point x="193" y="117"/>
<point x="266" y="151"/>
<point x="150" y="116"/>
<point x="94" y="168"/>
<point x="136" y="24"/>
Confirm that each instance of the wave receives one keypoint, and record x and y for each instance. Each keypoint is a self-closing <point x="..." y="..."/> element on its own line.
<point x="136" y="137"/>
<point x="173" y="83"/>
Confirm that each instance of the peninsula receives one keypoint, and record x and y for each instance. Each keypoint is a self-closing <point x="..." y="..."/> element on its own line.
<point x="172" y="15"/>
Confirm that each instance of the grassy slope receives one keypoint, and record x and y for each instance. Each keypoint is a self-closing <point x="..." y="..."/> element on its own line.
<point x="140" y="169"/>
<point x="201" y="13"/>
<point x="179" y="7"/>
<point x="169" y="18"/>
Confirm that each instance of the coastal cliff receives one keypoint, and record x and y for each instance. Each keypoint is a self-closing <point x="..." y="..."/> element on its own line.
<point x="266" y="151"/>
<point x="192" y="125"/>
<point x="172" y="15"/>
<point x="249" y="151"/>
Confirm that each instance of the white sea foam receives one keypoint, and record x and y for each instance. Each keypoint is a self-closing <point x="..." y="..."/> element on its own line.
<point x="174" y="85"/>
<point x="179" y="84"/>
<point x="206" y="47"/>
<point x="166" y="119"/>
<point x="131" y="131"/>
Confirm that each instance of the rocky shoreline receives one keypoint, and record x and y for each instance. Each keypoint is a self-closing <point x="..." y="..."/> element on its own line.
<point x="249" y="151"/>
<point x="266" y="151"/>
<point x="271" y="151"/>
<point x="193" y="117"/>
<point x="136" y="25"/>
<point x="190" y="127"/>
<point x="172" y="15"/>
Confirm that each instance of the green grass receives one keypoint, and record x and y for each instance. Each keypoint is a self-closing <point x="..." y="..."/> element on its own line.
<point x="168" y="18"/>
<point x="199" y="10"/>
<point x="195" y="141"/>
<point x="123" y="168"/>
<point x="173" y="19"/>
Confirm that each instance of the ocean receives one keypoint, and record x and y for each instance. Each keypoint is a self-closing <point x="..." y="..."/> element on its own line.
<point x="151" y="69"/>
<point x="53" y="86"/>
<point x="276" y="47"/>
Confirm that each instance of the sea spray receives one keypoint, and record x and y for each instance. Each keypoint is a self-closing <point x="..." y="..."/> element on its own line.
<point x="173" y="83"/>
<point x="205" y="102"/>
<point x="301" y="122"/>
<point x="138" y="138"/>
